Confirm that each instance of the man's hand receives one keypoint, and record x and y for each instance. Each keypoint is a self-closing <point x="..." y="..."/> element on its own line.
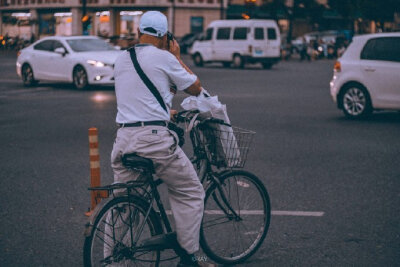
<point x="174" y="48"/>
<point x="172" y="113"/>
<point x="172" y="90"/>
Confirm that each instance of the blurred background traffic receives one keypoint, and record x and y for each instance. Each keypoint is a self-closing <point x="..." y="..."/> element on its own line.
<point x="78" y="42"/>
<point x="310" y="29"/>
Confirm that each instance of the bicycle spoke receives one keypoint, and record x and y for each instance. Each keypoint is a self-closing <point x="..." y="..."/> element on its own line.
<point x="246" y="236"/>
<point x="102" y="240"/>
<point x="210" y="225"/>
<point x="107" y="235"/>
<point x="107" y="260"/>
<point x="119" y="218"/>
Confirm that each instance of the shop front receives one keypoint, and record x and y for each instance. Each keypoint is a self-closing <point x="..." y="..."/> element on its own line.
<point x="17" y="24"/>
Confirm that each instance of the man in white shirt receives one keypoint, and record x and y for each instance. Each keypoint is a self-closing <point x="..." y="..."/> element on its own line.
<point x="143" y="130"/>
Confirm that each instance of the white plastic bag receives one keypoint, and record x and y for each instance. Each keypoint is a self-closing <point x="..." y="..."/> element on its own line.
<point x="227" y="141"/>
<point x="203" y="102"/>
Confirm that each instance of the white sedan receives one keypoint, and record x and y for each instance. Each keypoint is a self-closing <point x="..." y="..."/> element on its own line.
<point x="82" y="60"/>
<point x="367" y="76"/>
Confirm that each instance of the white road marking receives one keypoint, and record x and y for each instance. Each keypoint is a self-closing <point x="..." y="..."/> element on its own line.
<point x="274" y="212"/>
<point x="10" y="80"/>
<point x="13" y="92"/>
<point x="298" y="213"/>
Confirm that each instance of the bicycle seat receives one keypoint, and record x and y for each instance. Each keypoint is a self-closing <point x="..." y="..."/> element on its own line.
<point x="134" y="161"/>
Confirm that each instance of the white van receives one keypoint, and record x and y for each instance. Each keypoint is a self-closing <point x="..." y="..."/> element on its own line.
<point x="238" y="42"/>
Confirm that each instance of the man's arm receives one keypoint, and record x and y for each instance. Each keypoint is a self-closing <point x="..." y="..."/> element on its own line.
<point x="195" y="88"/>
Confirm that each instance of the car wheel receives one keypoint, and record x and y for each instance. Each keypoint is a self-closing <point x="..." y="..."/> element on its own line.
<point x="28" y="78"/>
<point x="237" y="61"/>
<point x="267" y="66"/>
<point x="80" y="78"/>
<point x="355" y="101"/>
<point x="198" y="60"/>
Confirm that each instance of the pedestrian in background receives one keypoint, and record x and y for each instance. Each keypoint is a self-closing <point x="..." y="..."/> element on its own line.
<point x="304" y="52"/>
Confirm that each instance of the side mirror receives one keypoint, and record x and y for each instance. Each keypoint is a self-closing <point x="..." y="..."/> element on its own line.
<point x="60" y="50"/>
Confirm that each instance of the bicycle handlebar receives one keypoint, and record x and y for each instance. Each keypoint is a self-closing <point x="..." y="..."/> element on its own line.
<point x="182" y="115"/>
<point x="218" y="121"/>
<point x="187" y="115"/>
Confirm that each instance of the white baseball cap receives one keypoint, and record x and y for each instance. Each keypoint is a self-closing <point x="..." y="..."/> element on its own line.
<point x="153" y="23"/>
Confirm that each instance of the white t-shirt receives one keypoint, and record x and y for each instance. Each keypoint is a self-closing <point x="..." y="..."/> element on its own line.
<point x="135" y="102"/>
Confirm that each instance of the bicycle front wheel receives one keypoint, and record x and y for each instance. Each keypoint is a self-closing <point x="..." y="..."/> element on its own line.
<point x="117" y="226"/>
<point x="236" y="218"/>
<point x="200" y="166"/>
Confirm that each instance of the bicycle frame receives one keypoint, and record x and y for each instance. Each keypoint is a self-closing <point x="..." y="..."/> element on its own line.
<point x="209" y="175"/>
<point x="209" y="179"/>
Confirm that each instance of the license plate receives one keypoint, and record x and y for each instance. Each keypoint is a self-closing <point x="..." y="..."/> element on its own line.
<point x="258" y="51"/>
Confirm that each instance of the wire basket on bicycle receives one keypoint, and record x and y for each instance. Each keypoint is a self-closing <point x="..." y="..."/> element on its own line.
<point x="225" y="145"/>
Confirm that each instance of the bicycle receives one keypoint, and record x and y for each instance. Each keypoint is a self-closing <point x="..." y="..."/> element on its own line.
<point x="132" y="226"/>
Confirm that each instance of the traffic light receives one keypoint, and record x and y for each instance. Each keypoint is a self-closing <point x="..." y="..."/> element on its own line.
<point x="86" y="24"/>
<point x="85" y="18"/>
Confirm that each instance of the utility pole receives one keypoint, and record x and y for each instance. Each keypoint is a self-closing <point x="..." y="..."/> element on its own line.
<point x="222" y="9"/>
<point x="173" y="16"/>
<point x="85" y="18"/>
<point x="250" y="6"/>
<point x="83" y="8"/>
<point x="291" y="12"/>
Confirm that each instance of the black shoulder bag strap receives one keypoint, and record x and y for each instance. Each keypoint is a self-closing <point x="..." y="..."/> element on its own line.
<point x="145" y="79"/>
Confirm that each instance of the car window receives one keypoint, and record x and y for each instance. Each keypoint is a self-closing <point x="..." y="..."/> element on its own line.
<point x="259" y="34"/>
<point x="271" y="33"/>
<point x="46" y="45"/>
<point x="209" y="34"/>
<point x="89" y="44"/>
<point x="386" y="49"/>
<point x="57" y="44"/>
<point x="223" y="33"/>
<point x="240" y="33"/>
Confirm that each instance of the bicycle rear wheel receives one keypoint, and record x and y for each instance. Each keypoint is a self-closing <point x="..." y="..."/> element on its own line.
<point x="118" y="223"/>
<point x="236" y="218"/>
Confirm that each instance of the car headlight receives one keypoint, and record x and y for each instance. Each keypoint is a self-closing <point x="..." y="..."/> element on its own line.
<point x="96" y="63"/>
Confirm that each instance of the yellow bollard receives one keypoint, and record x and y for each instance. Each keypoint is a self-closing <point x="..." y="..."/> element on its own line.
<point x="94" y="169"/>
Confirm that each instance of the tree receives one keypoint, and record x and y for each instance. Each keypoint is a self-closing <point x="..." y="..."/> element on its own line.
<point x="348" y="9"/>
<point x="307" y="9"/>
<point x="381" y="11"/>
<point x="275" y="7"/>
<point x="313" y="11"/>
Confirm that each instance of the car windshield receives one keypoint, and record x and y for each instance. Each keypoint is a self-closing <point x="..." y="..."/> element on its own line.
<point x="84" y="45"/>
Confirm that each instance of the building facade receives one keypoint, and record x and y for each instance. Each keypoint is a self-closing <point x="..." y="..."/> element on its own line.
<point x="306" y="20"/>
<point x="38" y="18"/>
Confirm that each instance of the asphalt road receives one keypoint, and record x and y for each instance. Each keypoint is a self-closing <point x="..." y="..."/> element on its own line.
<point x="308" y="155"/>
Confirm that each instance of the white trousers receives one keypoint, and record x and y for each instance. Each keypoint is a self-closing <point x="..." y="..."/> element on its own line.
<point x="172" y="166"/>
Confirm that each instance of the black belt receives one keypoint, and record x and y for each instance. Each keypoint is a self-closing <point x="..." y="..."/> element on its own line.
<point x="143" y="123"/>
